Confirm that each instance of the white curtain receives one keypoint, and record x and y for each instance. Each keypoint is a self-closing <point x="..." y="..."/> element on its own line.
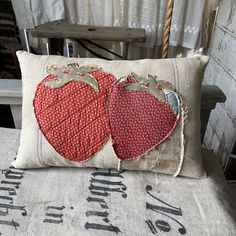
<point x="188" y="28"/>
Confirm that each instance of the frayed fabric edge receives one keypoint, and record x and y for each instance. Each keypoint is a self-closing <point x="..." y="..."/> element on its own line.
<point x="184" y="115"/>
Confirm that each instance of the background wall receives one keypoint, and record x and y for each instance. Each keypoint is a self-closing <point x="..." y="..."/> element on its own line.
<point x="221" y="131"/>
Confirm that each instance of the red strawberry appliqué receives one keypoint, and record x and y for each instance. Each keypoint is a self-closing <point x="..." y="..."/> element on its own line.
<point x="70" y="106"/>
<point x="143" y="113"/>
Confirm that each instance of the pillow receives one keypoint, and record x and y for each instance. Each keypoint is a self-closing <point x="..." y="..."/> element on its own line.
<point x="134" y="115"/>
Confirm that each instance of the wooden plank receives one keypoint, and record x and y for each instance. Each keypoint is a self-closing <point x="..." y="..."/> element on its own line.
<point x="11" y="94"/>
<point x="223" y="49"/>
<point x="227" y="15"/>
<point x="211" y="95"/>
<point x="10" y="88"/>
<point x="16" y="111"/>
<point x="205" y="114"/>
<point x="224" y="128"/>
<point x="216" y="75"/>
<point x="61" y="29"/>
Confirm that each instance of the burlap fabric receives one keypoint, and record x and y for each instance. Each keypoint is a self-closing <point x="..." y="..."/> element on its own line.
<point x="89" y="201"/>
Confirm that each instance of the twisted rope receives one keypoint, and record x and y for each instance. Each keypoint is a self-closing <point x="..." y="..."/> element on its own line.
<point x="165" y="46"/>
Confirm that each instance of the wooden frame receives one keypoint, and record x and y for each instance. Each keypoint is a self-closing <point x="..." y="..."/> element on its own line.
<point x="57" y="31"/>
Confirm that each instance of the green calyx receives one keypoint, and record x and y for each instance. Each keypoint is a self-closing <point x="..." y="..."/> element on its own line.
<point x="71" y="72"/>
<point x="150" y="85"/>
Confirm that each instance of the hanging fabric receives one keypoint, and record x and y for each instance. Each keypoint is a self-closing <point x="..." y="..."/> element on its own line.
<point x="188" y="26"/>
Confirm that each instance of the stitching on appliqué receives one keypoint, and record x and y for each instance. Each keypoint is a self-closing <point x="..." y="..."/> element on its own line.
<point x="96" y="135"/>
<point x="140" y="88"/>
<point x="184" y="117"/>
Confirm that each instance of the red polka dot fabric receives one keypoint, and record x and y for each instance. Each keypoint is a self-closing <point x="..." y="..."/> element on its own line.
<point x="138" y="121"/>
<point x="74" y="118"/>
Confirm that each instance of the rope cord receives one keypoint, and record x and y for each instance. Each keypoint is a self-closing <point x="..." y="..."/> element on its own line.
<point x="169" y="11"/>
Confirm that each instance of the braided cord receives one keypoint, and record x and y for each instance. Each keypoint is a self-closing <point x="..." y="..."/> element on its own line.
<point x="169" y="10"/>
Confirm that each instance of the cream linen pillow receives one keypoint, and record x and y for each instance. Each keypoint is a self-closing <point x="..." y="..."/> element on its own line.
<point x="178" y="152"/>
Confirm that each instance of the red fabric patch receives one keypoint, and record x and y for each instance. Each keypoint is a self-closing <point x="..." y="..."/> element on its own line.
<point x="74" y="117"/>
<point x="138" y="121"/>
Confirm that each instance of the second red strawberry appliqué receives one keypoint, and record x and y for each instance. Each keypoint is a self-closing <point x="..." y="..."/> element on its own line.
<point x="79" y="108"/>
<point x="143" y="113"/>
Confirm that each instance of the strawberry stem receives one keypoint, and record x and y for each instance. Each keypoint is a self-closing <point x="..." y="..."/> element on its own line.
<point x="71" y="73"/>
<point x="150" y="85"/>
